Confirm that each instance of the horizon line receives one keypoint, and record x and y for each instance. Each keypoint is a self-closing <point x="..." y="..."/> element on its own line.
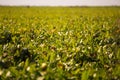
<point x="63" y="5"/>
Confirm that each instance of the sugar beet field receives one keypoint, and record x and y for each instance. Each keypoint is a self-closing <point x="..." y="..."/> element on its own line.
<point x="59" y="43"/>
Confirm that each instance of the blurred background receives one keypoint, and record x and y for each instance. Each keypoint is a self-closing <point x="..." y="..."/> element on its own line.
<point x="60" y="2"/>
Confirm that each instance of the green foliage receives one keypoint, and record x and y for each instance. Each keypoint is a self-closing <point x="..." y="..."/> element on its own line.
<point x="50" y="43"/>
